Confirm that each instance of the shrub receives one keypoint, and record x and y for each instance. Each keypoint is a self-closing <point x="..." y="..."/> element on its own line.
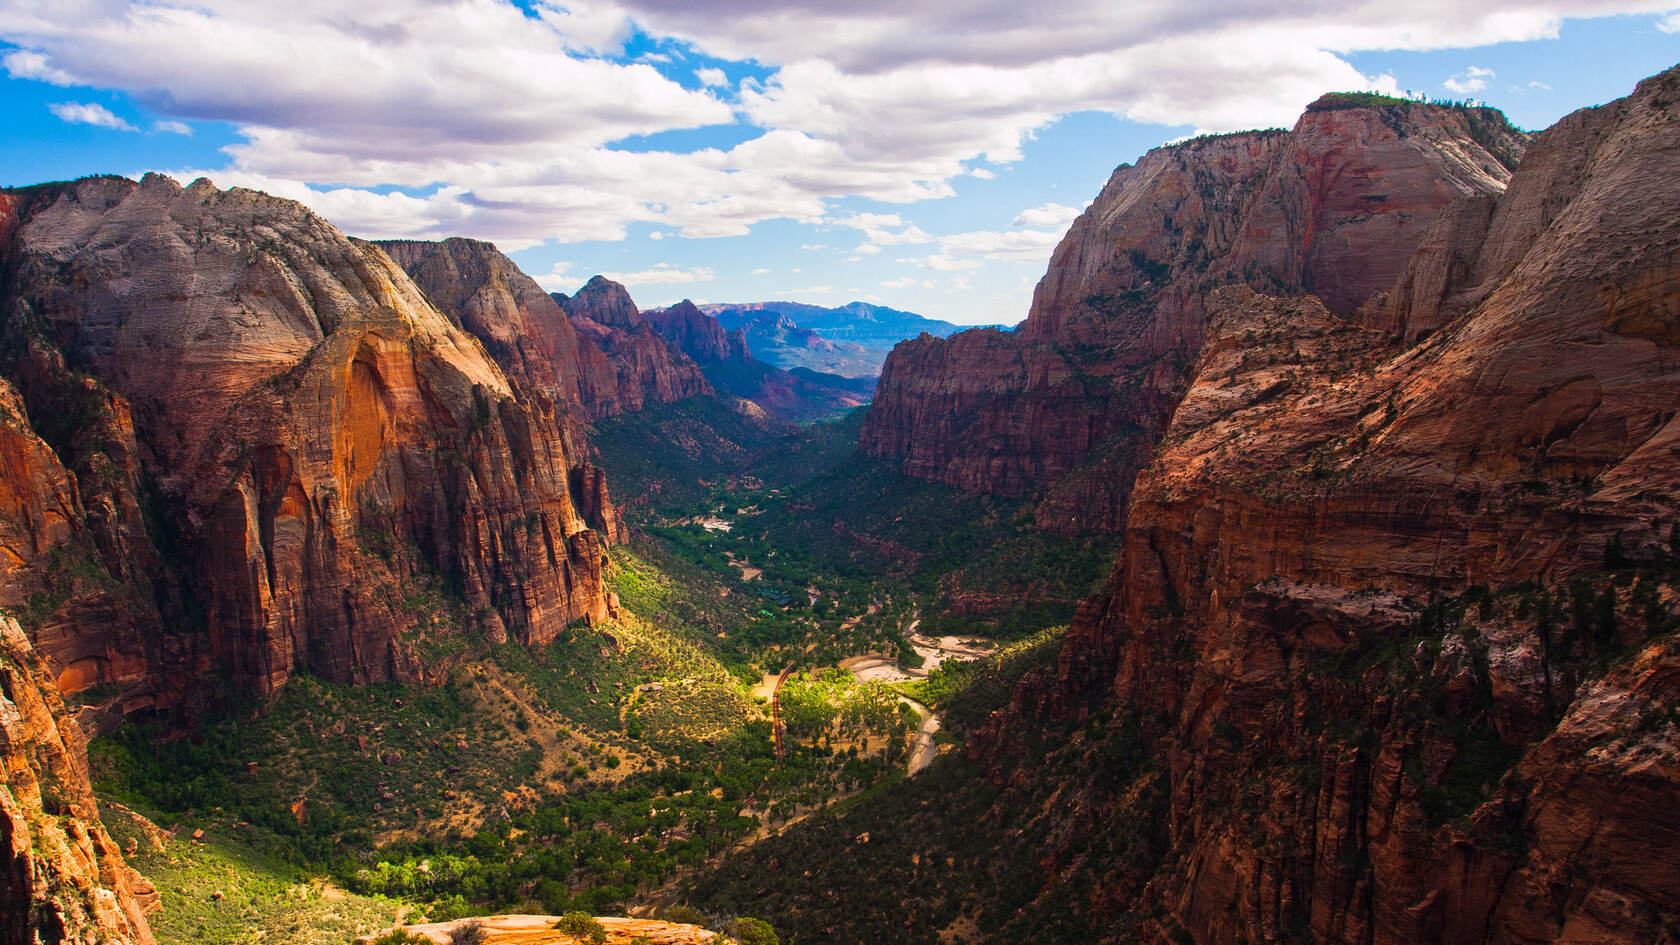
<point x="468" y="933"/>
<point x="401" y="937"/>
<point x="750" y="931"/>
<point x="684" y="915"/>
<point x="582" y="926"/>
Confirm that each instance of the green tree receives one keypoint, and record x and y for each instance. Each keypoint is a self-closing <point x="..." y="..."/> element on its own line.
<point x="582" y="926"/>
<point x="750" y="931"/>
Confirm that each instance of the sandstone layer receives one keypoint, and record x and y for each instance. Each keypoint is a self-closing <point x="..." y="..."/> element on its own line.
<point x="63" y="878"/>
<point x="555" y="346"/>
<point x="1069" y="404"/>
<point x="1395" y="612"/>
<point x="308" y="434"/>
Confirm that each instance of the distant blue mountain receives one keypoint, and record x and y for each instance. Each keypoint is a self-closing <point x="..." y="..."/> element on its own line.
<point x="851" y="340"/>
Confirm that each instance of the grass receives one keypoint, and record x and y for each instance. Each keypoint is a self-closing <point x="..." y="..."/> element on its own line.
<point x="263" y="897"/>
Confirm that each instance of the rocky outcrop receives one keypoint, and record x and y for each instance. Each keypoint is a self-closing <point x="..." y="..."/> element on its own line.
<point x="604" y="302"/>
<point x="1069" y="404"/>
<point x="313" y="433"/>
<point x="63" y="878"/>
<point x="698" y="335"/>
<point x="539" y="930"/>
<point x="724" y="358"/>
<point x="1396" y="618"/>
<point x="551" y="345"/>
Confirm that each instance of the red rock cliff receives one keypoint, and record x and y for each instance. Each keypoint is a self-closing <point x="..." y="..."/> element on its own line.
<point x="541" y="341"/>
<point x="1362" y="612"/>
<point x="1073" y="400"/>
<point x="314" y="431"/>
<point x="62" y="878"/>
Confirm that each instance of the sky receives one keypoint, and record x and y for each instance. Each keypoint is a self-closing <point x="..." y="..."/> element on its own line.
<point x="926" y="156"/>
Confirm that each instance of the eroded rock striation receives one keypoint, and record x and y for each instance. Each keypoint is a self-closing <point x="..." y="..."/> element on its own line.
<point x="308" y="434"/>
<point x="592" y="353"/>
<point x="1395" y="620"/>
<point x="63" y="878"/>
<point x="1070" y="403"/>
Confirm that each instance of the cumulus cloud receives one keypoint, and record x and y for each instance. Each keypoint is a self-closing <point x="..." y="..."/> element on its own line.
<point x="172" y="128"/>
<point x="509" y="114"/>
<point x="1052" y="215"/>
<point x="663" y="274"/>
<point x="556" y="279"/>
<point x="1670" y="23"/>
<point x="883" y="229"/>
<point x="1028" y="246"/>
<point x="761" y="271"/>
<point x="1473" y="79"/>
<point x="89" y="113"/>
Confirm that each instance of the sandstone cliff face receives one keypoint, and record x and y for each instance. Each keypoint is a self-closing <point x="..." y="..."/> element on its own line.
<point x="1360" y="609"/>
<point x="726" y="361"/>
<point x="699" y="335"/>
<point x="315" y="432"/>
<point x="63" y="878"/>
<point x="552" y="345"/>
<point x="1090" y="377"/>
<point x="626" y="365"/>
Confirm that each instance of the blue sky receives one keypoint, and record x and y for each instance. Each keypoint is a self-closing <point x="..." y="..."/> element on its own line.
<point x="744" y="149"/>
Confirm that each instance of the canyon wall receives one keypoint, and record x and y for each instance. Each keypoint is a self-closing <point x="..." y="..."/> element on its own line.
<point x="273" y="436"/>
<point x="593" y="351"/>
<point x="1395" y="612"/>
<point x="62" y="878"/>
<point x="1068" y="405"/>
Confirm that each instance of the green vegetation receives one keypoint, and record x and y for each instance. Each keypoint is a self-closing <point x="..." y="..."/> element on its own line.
<point x="582" y="926"/>
<point x="749" y="931"/>
<point x="237" y="886"/>
<point x="619" y="760"/>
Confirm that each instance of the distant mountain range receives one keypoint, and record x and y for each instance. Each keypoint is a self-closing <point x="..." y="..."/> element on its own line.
<point x="851" y="340"/>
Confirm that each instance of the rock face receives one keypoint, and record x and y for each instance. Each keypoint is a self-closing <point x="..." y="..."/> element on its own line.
<point x="1363" y="614"/>
<point x="63" y="878"/>
<point x="552" y="345"/>
<point x="1070" y="403"/>
<point x="698" y="335"/>
<point x="724" y="358"/>
<point x="308" y="433"/>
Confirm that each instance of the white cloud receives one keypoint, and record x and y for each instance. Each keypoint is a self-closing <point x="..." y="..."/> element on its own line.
<point x="89" y="113"/>
<point x="853" y="259"/>
<point x="1537" y="84"/>
<point x="760" y="271"/>
<point x="982" y="173"/>
<point x="866" y="249"/>
<point x="883" y="229"/>
<point x="906" y="282"/>
<point x="556" y="280"/>
<point x="508" y="115"/>
<point x="1670" y="23"/>
<point x="172" y="128"/>
<point x="812" y="247"/>
<point x="943" y="262"/>
<point x="663" y="274"/>
<point x="1026" y="246"/>
<point x="712" y="77"/>
<point x="1052" y="215"/>
<point x="1473" y="79"/>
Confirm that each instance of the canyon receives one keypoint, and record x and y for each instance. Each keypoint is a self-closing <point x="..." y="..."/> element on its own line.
<point x="1380" y="413"/>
